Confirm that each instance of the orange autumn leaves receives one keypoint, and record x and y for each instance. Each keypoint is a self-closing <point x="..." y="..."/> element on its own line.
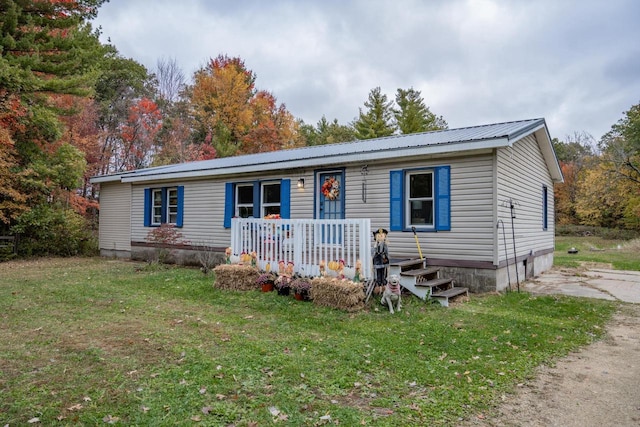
<point x="234" y="116"/>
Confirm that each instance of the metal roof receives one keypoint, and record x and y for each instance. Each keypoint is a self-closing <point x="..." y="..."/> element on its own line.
<point x="450" y="140"/>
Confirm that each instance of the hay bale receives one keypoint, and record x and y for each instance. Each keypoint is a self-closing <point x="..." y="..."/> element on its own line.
<point x="341" y="294"/>
<point x="234" y="277"/>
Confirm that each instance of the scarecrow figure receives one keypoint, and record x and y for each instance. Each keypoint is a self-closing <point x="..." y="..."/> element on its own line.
<point x="380" y="254"/>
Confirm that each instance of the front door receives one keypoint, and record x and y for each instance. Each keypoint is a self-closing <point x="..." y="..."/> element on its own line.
<point x="331" y="203"/>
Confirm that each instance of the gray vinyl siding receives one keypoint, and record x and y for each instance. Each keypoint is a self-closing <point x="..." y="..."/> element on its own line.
<point x="522" y="173"/>
<point x="471" y="235"/>
<point x="115" y="217"/>
<point x="478" y="194"/>
<point x="203" y="208"/>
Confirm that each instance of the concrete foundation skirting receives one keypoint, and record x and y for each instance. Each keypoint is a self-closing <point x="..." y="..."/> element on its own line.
<point x="111" y="253"/>
<point x="477" y="279"/>
<point x="480" y="280"/>
<point x="189" y="257"/>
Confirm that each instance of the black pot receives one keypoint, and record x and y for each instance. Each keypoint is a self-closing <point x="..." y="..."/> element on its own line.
<point x="284" y="290"/>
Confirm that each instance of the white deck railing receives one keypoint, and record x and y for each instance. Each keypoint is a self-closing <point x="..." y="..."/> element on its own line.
<point x="305" y="242"/>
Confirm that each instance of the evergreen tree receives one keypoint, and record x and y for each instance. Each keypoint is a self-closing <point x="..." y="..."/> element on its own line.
<point x="48" y="54"/>
<point x="327" y="132"/>
<point x="412" y="115"/>
<point x="377" y="121"/>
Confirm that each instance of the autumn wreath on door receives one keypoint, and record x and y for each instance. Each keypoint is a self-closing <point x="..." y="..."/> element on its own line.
<point x="331" y="189"/>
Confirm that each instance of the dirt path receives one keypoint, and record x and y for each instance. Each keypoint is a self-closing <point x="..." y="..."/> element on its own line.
<point x="598" y="386"/>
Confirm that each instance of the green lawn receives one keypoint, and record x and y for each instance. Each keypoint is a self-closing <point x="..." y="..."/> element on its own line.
<point x="619" y="254"/>
<point x="95" y="341"/>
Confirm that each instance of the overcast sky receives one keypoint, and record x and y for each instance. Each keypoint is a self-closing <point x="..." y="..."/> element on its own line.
<point x="576" y="63"/>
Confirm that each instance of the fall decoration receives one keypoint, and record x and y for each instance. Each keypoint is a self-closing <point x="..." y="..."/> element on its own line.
<point x="331" y="189"/>
<point x="235" y="277"/>
<point x="302" y="288"/>
<point x="341" y="294"/>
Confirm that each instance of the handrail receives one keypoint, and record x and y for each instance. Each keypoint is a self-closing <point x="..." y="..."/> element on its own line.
<point x="306" y="243"/>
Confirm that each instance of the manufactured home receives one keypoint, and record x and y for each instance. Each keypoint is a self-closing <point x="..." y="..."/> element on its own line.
<point x="476" y="202"/>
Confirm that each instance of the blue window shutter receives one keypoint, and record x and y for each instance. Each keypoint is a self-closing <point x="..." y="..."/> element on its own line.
<point x="256" y="200"/>
<point x="545" y="208"/>
<point x="443" y="198"/>
<point x="285" y="198"/>
<point x="180" y="213"/>
<point x="228" y="204"/>
<point x="396" y="205"/>
<point x="147" y="207"/>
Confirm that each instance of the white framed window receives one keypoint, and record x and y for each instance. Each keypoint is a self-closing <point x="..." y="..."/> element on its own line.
<point x="172" y="205"/>
<point x="420" y="200"/>
<point x="244" y="201"/>
<point x="270" y="198"/>
<point x="156" y="207"/>
<point x="164" y="205"/>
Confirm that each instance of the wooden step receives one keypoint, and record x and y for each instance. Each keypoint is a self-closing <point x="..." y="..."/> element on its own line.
<point x="434" y="283"/>
<point x="443" y="297"/>
<point x="420" y="272"/>
<point x="450" y="293"/>
<point x="408" y="262"/>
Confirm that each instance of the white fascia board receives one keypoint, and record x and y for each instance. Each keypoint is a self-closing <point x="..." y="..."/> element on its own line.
<point x="549" y="155"/>
<point x="320" y="161"/>
<point x="105" y="178"/>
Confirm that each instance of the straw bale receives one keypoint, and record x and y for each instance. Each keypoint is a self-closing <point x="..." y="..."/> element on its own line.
<point x="236" y="277"/>
<point x="341" y="294"/>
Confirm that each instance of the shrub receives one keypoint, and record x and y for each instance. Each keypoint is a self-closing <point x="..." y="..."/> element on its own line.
<point x="50" y="230"/>
<point x="207" y="258"/>
<point x="605" y="233"/>
<point x="163" y="237"/>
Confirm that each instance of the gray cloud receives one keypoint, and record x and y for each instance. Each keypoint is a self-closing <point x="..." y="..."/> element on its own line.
<point x="573" y="62"/>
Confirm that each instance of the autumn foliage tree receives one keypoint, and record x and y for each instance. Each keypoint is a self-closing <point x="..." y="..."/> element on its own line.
<point x="138" y="134"/>
<point x="47" y="51"/>
<point x="12" y="195"/>
<point x="120" y="86"/>
<point x="575" y="155"/>
<point x="621" y="154"/>
<point x="233" y="115"/>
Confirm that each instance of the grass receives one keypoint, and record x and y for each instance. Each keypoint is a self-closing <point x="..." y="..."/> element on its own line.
<point x="95" y="341"/>
<point x="618" y="254"/>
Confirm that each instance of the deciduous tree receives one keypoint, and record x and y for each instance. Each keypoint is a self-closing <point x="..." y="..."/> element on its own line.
<point x="574" y="155"/>
<point x="48" y="51"/>
<point x="236" y="117"/>
<point x="621" y="146"/>
<point x="600" y="199"/>
<point x="120" y="85"/>
<point x="139" y="133"/>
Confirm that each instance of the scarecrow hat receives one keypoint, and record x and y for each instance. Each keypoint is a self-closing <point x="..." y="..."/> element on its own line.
<point x="380" y="231"/>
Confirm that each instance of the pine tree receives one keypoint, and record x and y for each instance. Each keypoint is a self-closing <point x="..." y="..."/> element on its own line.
<point x="48" y="52"/>
<point x="377" y="120"/>
<point x="327" y="132"/>
<point x="413" y="115"/>
<point x="46" y="48"/>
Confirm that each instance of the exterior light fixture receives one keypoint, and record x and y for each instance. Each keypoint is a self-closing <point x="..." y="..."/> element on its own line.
<point x="301" y="183"/>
